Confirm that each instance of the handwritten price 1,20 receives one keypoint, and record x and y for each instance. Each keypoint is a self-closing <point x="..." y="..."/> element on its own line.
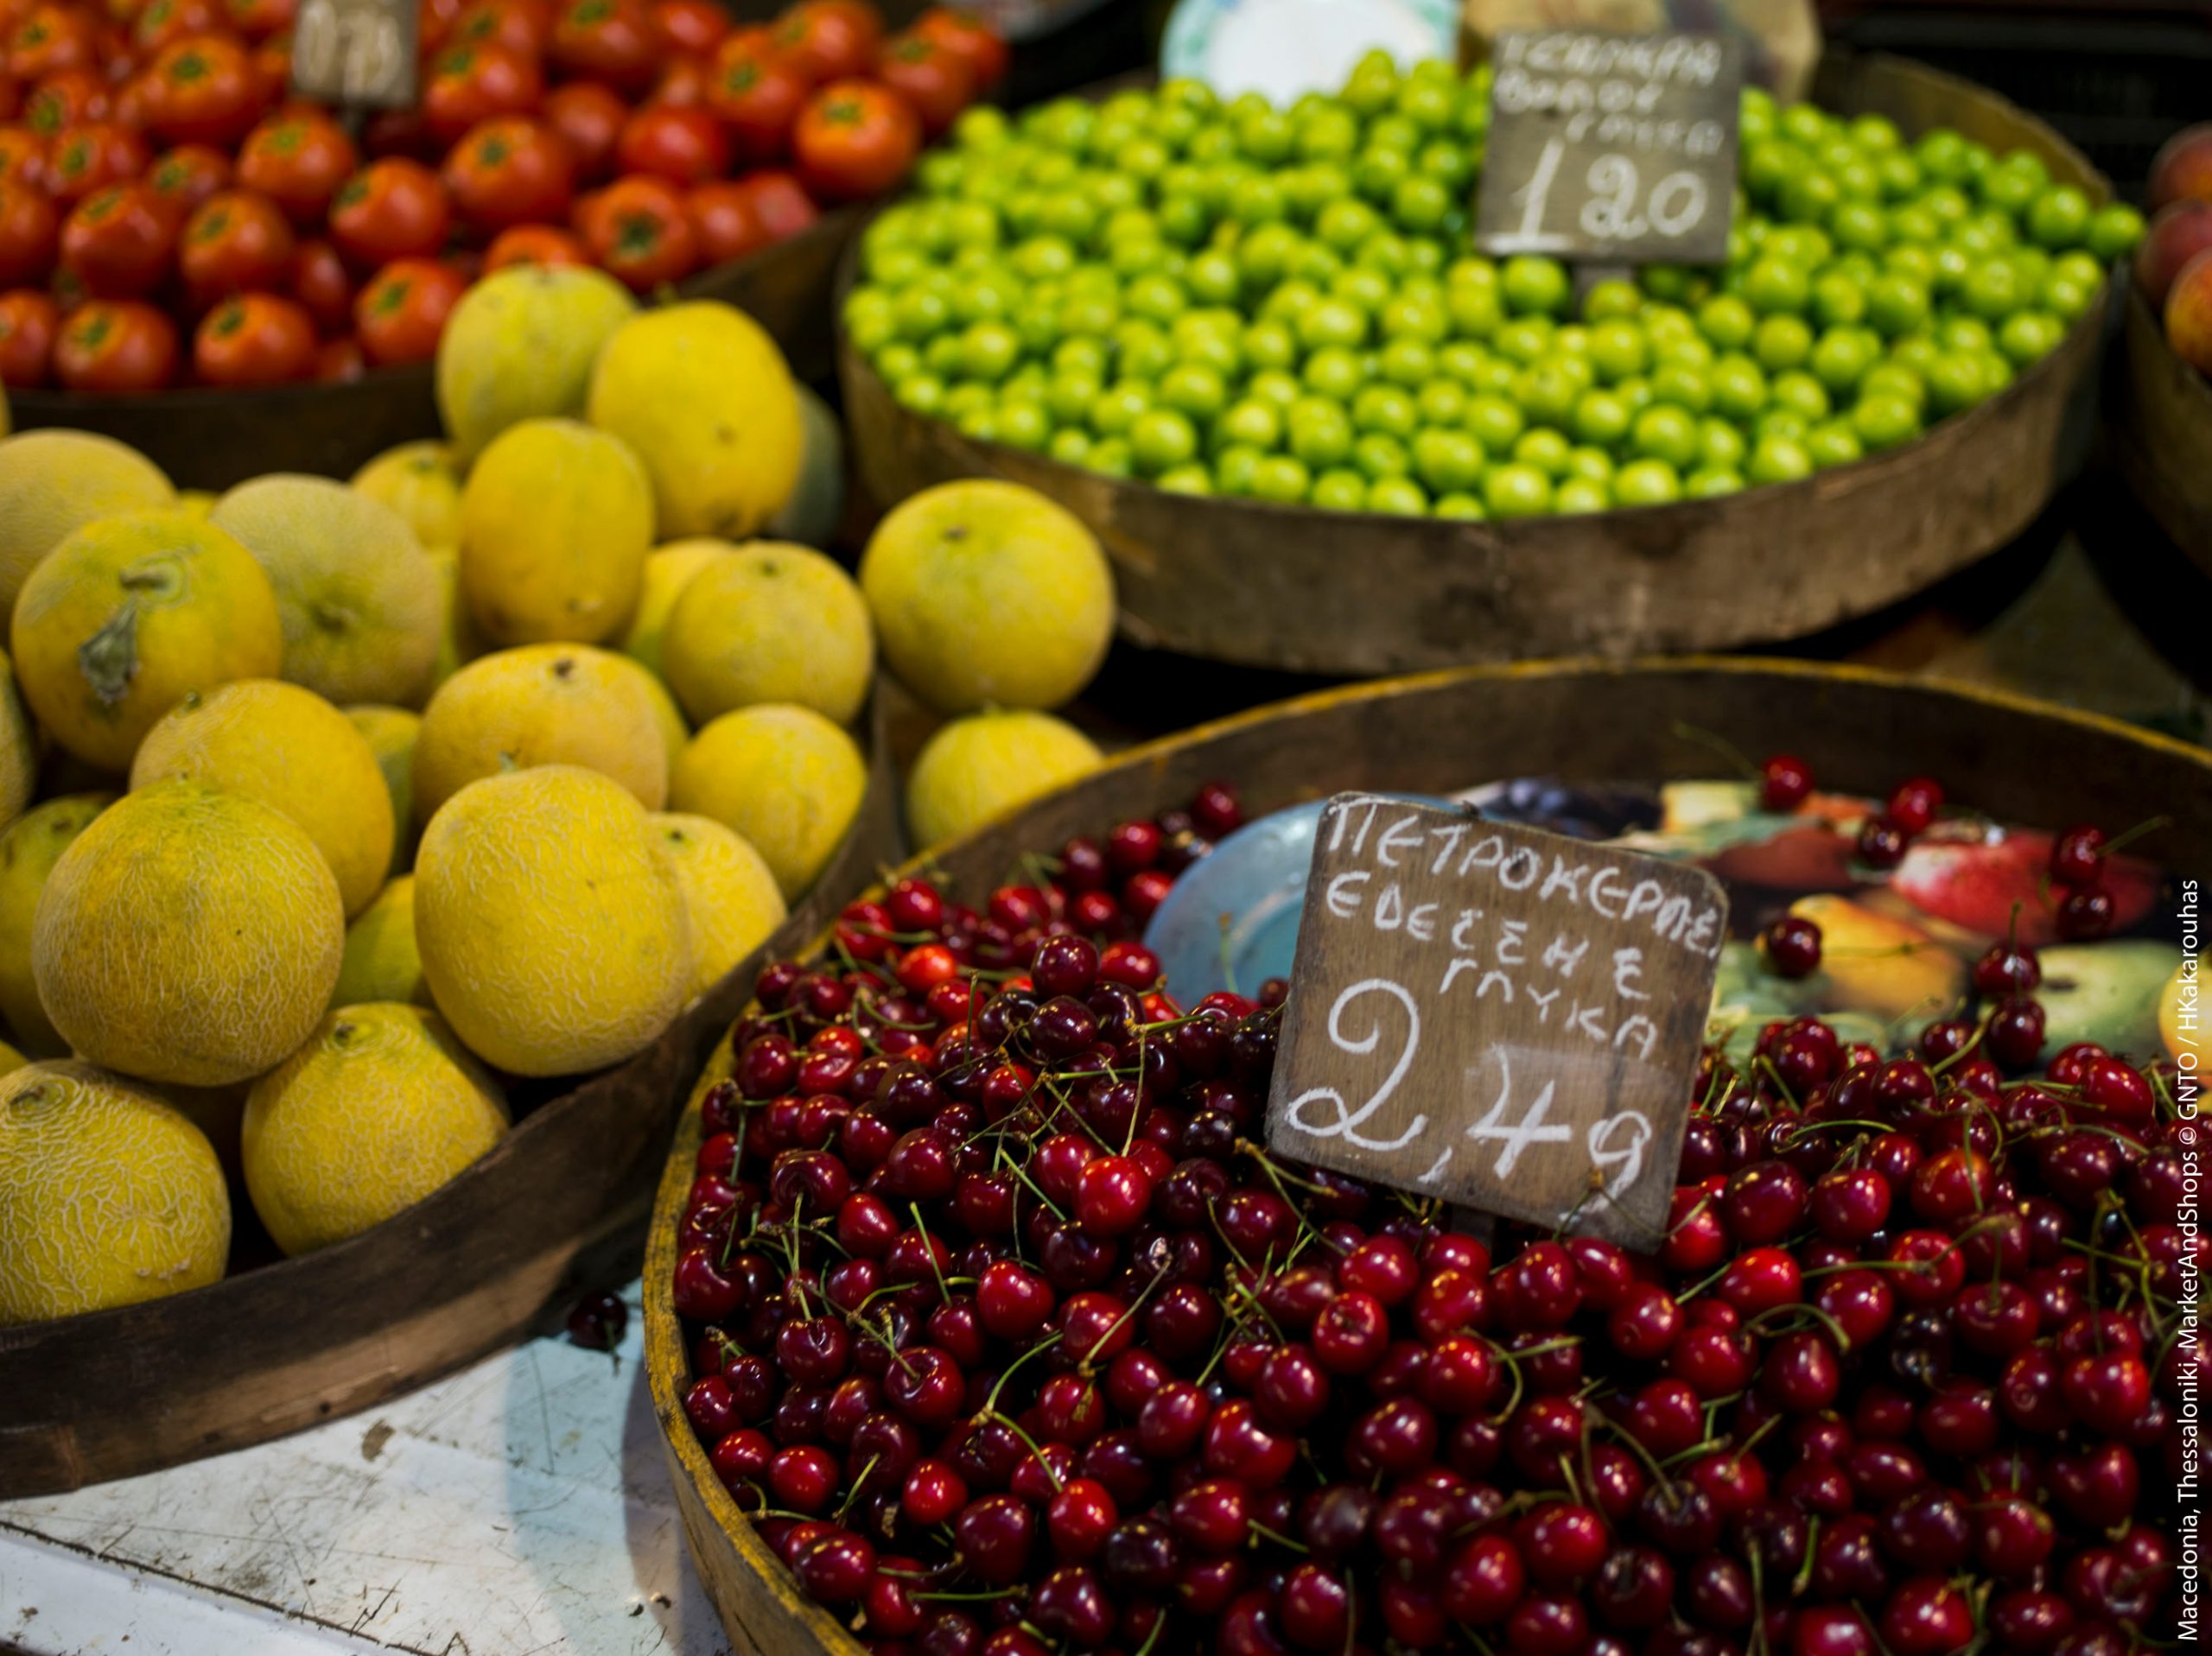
<point x="1615" y="1143"/>
<point x="1615" y="210"/>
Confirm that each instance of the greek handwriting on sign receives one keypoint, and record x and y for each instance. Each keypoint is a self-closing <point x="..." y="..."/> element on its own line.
<point x="1507" y="1019"/>
<point x="1620" y="148"/>
<point x="355" y="53"/>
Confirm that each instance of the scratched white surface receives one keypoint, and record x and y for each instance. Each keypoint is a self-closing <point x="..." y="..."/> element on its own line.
<point x="522" y="1506"/>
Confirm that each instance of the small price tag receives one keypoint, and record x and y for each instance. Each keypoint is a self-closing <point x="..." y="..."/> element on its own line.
<point x="1612" y="146"/>
<point x="1507" y="1019"/>
<point x="355" y="53"/>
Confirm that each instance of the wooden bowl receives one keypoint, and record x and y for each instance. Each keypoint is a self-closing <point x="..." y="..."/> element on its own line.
<point x="1861" y="730"/>
<point x="1356" y="593"/>
<point x="206" y="438"/>
<point x="2162" y="431"/>
<point x="553" y="1208"/>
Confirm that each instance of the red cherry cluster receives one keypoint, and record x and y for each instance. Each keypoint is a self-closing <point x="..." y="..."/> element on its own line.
<point x="1786" y="781"/>
<point x="1013" y="1340"/>
<point x="2077" y="877"/>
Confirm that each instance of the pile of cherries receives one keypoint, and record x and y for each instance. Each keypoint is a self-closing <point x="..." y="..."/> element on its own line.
<point x="1013" y="1337"/>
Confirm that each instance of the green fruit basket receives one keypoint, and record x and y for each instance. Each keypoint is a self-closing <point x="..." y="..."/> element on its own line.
<point x="1350" y="593"/>
<point x="500" y="1251"/>
<point x="1572" y="722"/>
<point x="205" y="438"/>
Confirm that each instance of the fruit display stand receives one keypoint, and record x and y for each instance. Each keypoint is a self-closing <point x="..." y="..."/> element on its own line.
<point x="209" y="438"/>
<point x="1578" y="722"/>
<point x="2162" y="425"/>
<point x="1288" y="587"/>
<point x="552" y="1208"/>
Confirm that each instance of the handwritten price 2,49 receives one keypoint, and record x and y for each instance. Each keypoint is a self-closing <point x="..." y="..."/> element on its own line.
<point x="1615" y="1143"/>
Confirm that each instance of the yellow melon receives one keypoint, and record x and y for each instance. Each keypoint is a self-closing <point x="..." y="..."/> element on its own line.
<point x="379" y="1108"/>
<point x="289" y="749"/>
<point x="542" y="704"/>
<point x="109" y="1195"/>
<point x="189" y="935"/>
<point x="786" y="779"/>
<point x="53" y="483"/>
<point x="551" y="929"/>
<point x="730" y="895"/>
<point x="769" y="622"/>
<point x="127" y="616"/>
<point x="381" y="961"/>
<point x="31" y="845"/>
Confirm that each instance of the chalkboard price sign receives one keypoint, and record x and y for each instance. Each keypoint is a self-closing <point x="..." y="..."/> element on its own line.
<point x="355" y="53"/>
<point x="1507" y="1019"/>
<point x="1620" y="148"/>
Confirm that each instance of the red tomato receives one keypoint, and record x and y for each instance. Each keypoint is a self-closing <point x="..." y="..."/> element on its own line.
<point x="203" y="89"/>
<point x="518" y="25"/>
<point x="510" y="170"/>
<point x="693" y="26"/>
<point x="936" y="81"/>
<point x="855" y="139"/>
<point x="29" y="230"/>
<point x="780" y="203"/>
<point x="756" y="95"/>
<point x="724" y="221"/>
<point x="22" y="154"/>
<point x="391" y="209"/>
<point x="685" y="146"/>
<point x="238" y="241"/>
<point x="254" y="339"/>
<point x="339" y="361"/>
<point x="968" y="37"/>
<point x="50" y="39"/>
<point x="639" y="234"/>
<point x="258" y="19"/>
<point x="85" y="157"/>
<point x="66" y="98"/>
<point x="117" y="241"/>
<point x="830" y="40"/>
<point x="403" y="311"/>
<point x="11" y="97"/>
<point x="588" y="117"/>
<point x="534" y="244"/>
<point x="164" y="21"/>
<point x="186" y="175"/>
<point x="116" y="345"/>
<point x="321" y="283"/>
<point x="396" y="132"/>
<point x="298" y="161"/>
<point x="613" y="41"/>
<point x="272" y="65"/>
<point x="29" y="321"/>
<point x="433" y="21"/>
<point x="683" y="83"/>
<point x="469" y="84"/>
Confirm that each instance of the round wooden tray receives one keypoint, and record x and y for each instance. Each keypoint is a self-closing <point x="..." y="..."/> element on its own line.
<point x="1861" y="730"/>
<point x="209" y="439"/>
<point x="554" y="1207"/>
<point x="1358" y="594"/>
<point x="2164" y="428"/>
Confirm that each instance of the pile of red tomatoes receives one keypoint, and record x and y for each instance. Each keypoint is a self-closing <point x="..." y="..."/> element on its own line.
<point x="170" y="214"/>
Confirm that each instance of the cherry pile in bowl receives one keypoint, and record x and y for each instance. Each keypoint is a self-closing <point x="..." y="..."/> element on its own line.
<point x="1012" y="1338"/>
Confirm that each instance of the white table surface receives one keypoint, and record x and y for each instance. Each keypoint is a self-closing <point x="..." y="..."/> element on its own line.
<point x="521" y="1507"/>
